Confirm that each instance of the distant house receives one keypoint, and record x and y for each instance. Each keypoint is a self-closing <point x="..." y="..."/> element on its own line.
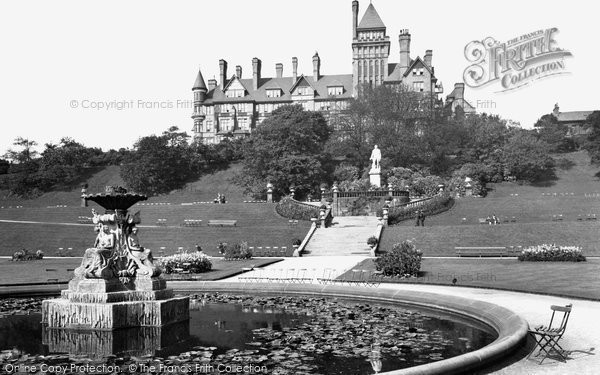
<point x="575" y="120"/>
<point x="457" y="99"/>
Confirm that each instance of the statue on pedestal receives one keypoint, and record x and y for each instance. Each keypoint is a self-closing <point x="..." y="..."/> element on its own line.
<point x="376" y="159"/>
<point x="375" y="172"/>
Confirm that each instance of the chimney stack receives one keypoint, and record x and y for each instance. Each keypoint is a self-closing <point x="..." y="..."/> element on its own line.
<point x="404" y="39"/>
<point x="255" y="72"/>
<point x="316" y="66"/>
<point x="354" y="18"/>
<point x="279" y="70"/>
<point x="428" y="57"/>
<point x="238" y="72"/>
<point x="295" y="69"/>
<point x="212" y="84"/>
<point x="222" y="72"/>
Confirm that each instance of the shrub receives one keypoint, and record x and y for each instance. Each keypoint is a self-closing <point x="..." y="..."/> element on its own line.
<point x="39" y="254"/>
<point x="291" y="209"/>
<point x="372" y="241"/>
<point x="552" y="253"/>
<point x="297" y="242"/>
<point x="403" y="261"/>
<point x="433" y="206"/>
<point x="238" y="251"/>
<point x="192" y="262"/>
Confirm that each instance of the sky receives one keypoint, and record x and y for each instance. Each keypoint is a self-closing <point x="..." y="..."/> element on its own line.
<point x="109" y="72"/>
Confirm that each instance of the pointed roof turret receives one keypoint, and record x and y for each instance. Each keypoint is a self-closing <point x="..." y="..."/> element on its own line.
<point x="371" y="19"/>
<point x="199" y="84"/>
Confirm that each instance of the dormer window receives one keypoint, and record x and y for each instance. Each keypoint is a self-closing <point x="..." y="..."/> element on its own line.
<point x="273" y="93"/>
<point x="234" y="93"/>
<point x="335" y="90"/>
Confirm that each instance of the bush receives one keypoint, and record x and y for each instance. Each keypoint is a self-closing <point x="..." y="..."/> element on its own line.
<point x="24" y="254"/>
<point x="291" y="209"/>
<point x="192" y="262"/>
<point x="552" y="253"/>
<point x="403" y="261"/>
<point x="238" y="251"/>
<point x="433" y="206"/>
<point x="297" y="242"/>
<point x="372" y="241"/>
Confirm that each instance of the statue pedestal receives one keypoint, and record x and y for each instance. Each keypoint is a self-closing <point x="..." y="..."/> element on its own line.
<point x="99" y="304"/>
<point x="375" y="177"/>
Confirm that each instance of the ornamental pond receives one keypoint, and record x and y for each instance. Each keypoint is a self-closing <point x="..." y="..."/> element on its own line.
<point x="270" y="334"/>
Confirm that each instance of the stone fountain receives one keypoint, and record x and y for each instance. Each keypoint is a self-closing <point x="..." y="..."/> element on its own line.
<point x="117" y="285"/>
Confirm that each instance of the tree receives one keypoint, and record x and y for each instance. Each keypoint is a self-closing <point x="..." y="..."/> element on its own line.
<point x="592" y="142"/>
<point x="287" y="150"/>
<point x="27" y="154"/>
<point x="158" y="164"/>
<point x="527" y="158"/>
<point x="554" y="133"/>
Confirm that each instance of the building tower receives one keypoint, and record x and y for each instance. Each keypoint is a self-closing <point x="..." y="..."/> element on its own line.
<point x="370" y="49"/>
<point x="199" y="91"/>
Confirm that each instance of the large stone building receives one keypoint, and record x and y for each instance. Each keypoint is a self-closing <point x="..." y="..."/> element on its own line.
<point x="235" y="105"/>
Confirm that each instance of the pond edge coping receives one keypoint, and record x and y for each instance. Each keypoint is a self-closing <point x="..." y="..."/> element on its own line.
<point x="510" y="327"/>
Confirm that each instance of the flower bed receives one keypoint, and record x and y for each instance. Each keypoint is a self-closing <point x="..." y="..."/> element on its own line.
<point x="24" y="254"/>
<point x="552" y="253"/>
<point x="185" y="262"/>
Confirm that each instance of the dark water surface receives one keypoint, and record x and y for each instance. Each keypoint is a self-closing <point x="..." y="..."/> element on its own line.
<point x="286" y="334"/>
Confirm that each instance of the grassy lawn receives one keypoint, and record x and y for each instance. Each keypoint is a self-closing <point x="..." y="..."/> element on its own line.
<point x="558" y="278"/>
<point x="40" y="271"/>
<point x="257" y="224"/>
<point x="441" y="240"/>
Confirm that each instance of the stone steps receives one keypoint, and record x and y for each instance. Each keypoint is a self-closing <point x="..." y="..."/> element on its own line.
<point x="347" y="236"/>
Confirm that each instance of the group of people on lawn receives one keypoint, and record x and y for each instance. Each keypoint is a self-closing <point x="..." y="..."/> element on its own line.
<point x="493" y="220"/>
<point x="420" y="218"/>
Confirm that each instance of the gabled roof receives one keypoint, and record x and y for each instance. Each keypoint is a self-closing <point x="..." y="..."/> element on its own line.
<point x="300" y="79"/>
<point x="286" y="84"/>
<point x="414" y="63"/>
<point x="573" y="116"/>
<point x="199" y="84"/>
<point x="371" y="19"/>
<point x="233" y="79"/>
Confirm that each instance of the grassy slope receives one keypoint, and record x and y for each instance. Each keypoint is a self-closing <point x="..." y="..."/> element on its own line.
<point x="534" y="213"/>
<point x="258" y="224"/>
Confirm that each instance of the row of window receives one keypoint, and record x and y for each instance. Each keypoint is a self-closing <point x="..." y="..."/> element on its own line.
<point x="418" y="71"/>
<point x="371" y="35"/>
<point x="371" y="51"/>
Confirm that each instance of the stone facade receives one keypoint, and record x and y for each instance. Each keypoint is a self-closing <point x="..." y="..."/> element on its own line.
<point x="236" y="105"/>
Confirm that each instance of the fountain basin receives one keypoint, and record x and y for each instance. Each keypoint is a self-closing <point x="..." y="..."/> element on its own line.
<point x="510" y="327"/>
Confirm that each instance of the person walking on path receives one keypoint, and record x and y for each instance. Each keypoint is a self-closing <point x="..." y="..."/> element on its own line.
<point x="422" y="218"/>
<point x="419" y="216"/>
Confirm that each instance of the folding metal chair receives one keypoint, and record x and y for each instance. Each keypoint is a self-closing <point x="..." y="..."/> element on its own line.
<point x="327" y="276"/>
<point x="547" y="337"/>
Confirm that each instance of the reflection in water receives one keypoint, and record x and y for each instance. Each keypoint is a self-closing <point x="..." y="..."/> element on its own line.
<point x="333" y="336"/>
<point x="139" y="341"/>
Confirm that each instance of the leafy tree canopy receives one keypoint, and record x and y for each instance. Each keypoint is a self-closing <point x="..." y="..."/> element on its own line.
<point x="287" y="149"/>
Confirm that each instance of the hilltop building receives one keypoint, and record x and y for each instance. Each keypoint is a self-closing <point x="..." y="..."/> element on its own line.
<point x="235" y="105"/>
<point x="575" y="120"/>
